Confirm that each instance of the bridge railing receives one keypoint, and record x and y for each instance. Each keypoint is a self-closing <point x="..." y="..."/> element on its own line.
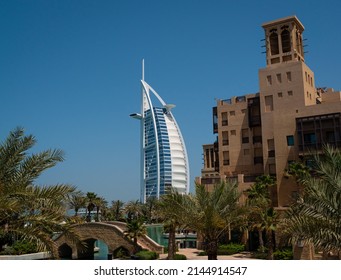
<point x="144" y="241"/>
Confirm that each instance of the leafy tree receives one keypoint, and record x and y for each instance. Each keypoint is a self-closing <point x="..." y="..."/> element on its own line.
<point x="30" y="212"/>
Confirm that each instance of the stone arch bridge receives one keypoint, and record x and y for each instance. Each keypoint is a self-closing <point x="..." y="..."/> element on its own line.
<point x="112" y="233"/>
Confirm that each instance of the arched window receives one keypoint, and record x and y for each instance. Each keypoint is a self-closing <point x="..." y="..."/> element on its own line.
<point x="274" y="43"/>
<point x="286" y="45"/>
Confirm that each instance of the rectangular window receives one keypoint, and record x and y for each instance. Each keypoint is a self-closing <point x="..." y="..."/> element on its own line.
<point x="226" y="158"/>
<point x="289" y="76"/>
<point x="225" y="138"/>
<point x="224" y="121"/>
<point x="268" y="103"/>
<point x="279" y="78"/>
<point x="245" y="136"/>
<point x="269" y="80"/>
<point x="309" y="138"/>
<point x="280" y="94"/>
<point x="272" y="169"/>
<point x="290" y="93"/>
<point x="271" y="148"/>
<point x="290" y="140"/>
<point x="232" y="113"/>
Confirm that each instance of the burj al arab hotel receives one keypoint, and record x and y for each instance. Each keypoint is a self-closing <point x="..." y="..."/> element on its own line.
<point x="164" y="160"/>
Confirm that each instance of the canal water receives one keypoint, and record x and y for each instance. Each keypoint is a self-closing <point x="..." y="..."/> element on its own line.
<point x="102" y="254"/>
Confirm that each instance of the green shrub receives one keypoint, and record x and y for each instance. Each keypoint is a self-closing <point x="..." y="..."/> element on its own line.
<point x="147" y="255"/>
<point x="230" y="249"/>
<point x="283" y="254"/>
<point x="180" y="257"/>
<point x="259" y="255"/>
<point x="24" y="247"/>
<point x="20" y="247"/>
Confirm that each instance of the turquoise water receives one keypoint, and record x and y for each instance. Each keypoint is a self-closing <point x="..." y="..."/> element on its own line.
<point x="103" y="251"/>
<point x="155" y="232"/>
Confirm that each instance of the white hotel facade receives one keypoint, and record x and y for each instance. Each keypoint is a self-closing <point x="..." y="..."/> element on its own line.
<point x="164" y="160"/>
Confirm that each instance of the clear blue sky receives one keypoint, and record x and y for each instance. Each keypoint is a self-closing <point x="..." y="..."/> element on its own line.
<point x="70" y="73"/>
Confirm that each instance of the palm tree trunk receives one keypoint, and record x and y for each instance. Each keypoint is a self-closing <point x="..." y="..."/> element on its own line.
<point x="212" y="250"/>
<point x="171" y="243"/>
<point x="270" y="245"/>
<point x="135" y="245"/>
<point x="261" y="241"/>
<point x="245" y="238"/>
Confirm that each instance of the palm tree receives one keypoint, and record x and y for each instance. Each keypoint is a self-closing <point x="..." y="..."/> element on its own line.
<point x="135" y="229"/>
<point x="298" y="171"/>
<point x="90" y="205"/>
<point x="172" y="208"/>
<point x="77" y="201"/>
<point x="259" y="204"/>
<point x="101" y="205"/>
<point x="212" y="213"/>
<point x="117" y="209"/>
<point x="316" y="216"/>
<point x="262" y="215"/>
<point x="133" y="210"/>
<point x="28" y="211"/>
<point x="149" y="210"/>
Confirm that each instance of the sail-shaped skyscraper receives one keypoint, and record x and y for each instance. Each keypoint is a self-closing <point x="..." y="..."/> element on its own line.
<point x="164" y="160"/>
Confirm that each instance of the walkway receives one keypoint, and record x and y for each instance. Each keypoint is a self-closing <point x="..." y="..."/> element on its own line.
<point x="192" y="254"/>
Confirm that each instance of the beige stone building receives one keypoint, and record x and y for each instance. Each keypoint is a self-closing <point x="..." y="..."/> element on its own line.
<point x="288" y="118"/>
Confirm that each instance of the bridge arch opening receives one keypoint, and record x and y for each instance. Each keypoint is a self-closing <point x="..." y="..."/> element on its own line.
<point x="65" y="251"/>
<point x="96" y="249"/>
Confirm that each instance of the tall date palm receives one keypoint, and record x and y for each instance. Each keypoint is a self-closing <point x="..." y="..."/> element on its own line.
<point x="316" y="216"/>
<point x="212" y="213"/>
<point x="29" y="211"/>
